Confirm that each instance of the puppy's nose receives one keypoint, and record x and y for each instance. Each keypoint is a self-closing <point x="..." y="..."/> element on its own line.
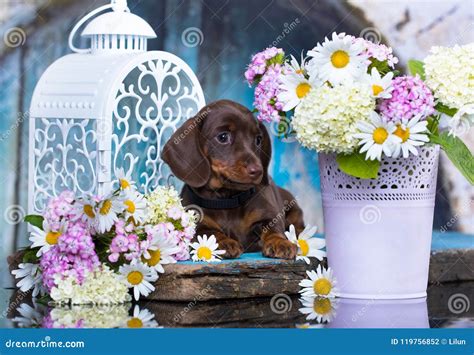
<point x="254" y="170"/>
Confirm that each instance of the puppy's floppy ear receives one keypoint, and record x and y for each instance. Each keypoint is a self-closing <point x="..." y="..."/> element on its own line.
<point x="265" y="152"/>
<point x="184" y="154"/>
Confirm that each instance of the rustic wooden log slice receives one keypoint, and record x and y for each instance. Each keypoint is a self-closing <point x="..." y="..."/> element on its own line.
<point x="252" y="275"/>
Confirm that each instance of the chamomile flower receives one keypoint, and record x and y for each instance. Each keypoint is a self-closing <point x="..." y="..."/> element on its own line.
<point x="30" y="317"/>
<point x="46" y="238"/>
<point x="321" y="309"/>
<point x="206" y="249"/>
<point x="107" y="211"/>
<point x="380" y="88"/>
<point x="30" y="278"/>
<point x="308" y="245"/>
<point x="293" y="88"/>
<point x="142" y="318"/>
<point x="295" y="67"/>
<point x="134" y="205"/>
<point x="138" y="276"/>
<point x="412" y="133"/>
<point x="124" y="179"/>
<point x="338" y="60"/>
<point x="321" y="283"/>
<point x="86" y="209"/>
<point x="377" y="137"/>
<point x="159" y="252"/>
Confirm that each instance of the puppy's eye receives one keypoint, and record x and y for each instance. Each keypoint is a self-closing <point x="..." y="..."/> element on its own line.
<point x="224" y="137"/>
<point x="258" y="140"/>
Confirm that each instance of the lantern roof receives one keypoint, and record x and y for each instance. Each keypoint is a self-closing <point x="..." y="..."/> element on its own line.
<point x="119" y="23"/>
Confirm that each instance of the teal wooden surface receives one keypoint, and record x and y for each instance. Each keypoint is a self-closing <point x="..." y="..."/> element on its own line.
<point x="441" y="241"/>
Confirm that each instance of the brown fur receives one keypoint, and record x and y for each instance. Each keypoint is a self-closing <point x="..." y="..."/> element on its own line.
<point x="196" y="155"/>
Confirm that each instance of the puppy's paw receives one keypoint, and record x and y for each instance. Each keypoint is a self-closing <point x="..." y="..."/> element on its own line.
<point x="233" y="249"/>
<point x="279" y="248"/>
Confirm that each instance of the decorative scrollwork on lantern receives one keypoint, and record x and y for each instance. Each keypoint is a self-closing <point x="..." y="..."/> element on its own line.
<point x="153" y="100"/>
<point x="65" y="153"/>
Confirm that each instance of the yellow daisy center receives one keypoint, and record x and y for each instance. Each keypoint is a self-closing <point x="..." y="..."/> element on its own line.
<point x="89" y="211"/>
<point x="204" y="253"/>
<point x="124" y="184"/>
<point x="322" y="305"/>
<point x="302" y="90"/>
<point x="155" y="257"/>
<point x="106" y="206"/>
<point x="377" y="89"/>
<point x="135" y="323"/>
<point x="322" y="287"/>
<point x="135" y="277"/>
<point x="130" y="206"/>
<point x="303" y="246"/>
<point x="404" y="134"/>
<point x="380" y="135"/>
<point x="340" y="59"/>
<point x="299" y="71"/>
<point x="52" y="237"/>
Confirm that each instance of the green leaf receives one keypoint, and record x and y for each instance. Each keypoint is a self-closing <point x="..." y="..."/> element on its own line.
<point x="433" y="123"/>
<point x="35" y="220"/>
<point x="382" y="66"/>
<point x="445" y="109"/>
<point x="416" y="67"/>
<point x="29" y="256"/>
<point x="458" y="153"/>
<point x="355" y="165"/>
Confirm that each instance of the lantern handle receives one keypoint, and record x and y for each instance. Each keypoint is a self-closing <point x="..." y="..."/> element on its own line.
<point x="116" y="5"/>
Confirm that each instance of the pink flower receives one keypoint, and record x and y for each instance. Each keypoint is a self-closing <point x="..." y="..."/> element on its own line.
<point x="378" y="51"/>
<point x="410" y="97"/>
<point x="174" y="212"/>
<point x="266" y="100"/>
<point x="259" y="63"/>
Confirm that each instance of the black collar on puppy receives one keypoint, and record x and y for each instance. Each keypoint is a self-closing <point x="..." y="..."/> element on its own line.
<point x="220" y="203"/>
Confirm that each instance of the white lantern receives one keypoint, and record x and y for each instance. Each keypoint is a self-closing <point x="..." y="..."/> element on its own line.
<point x="109" y="107"/>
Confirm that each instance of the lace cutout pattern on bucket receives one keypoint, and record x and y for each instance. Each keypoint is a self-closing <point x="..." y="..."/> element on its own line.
<point x="399" y="179"/>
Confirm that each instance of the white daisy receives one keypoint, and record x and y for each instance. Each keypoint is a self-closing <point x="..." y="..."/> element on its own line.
<point x="321" y="283"/>
<point x="380" y="88"/>
<point x="46" y="238"/>
<point x="124" y="179"/>
<point x="295" y="67"/>
<point x="377" y="137"/>
<point x="134" y="205"/>
<point x="338" y="60"/>
<point x="86" y="209"/>
<point x="320" y="309"/>
<point x="142" y="318"/>
<point x="30" y="276"/>
<point x="412" y="133"/>
<point x="29" y="317"/>
<point x="107" y="211"/>
<point x="160" y="252"/>
<point x="139" y="277"/>
<point x="206" y="249"/>
<point x="294" y="87"/>
<point x="308" y="245"/>
<point x="462" y="120"/>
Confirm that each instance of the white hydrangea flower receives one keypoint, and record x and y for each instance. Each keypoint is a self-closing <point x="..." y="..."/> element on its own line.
<point x="99" y="287"/>
<point x="326" y="119"/>
<point x="90" y="317"/>
<point x="450" y="74"/>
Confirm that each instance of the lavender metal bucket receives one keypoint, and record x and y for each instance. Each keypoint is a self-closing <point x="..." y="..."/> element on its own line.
<point x="378" y="231"/>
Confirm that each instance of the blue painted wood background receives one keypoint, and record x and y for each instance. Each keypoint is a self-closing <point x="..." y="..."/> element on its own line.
<point x="231" y="32"/>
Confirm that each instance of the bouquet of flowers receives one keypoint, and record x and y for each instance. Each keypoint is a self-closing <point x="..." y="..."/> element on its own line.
<point x="93" y="250"/>
<point x="346" y="97"/>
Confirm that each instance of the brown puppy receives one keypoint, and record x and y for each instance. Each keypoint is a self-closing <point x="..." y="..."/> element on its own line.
<point x="222" y="154"/>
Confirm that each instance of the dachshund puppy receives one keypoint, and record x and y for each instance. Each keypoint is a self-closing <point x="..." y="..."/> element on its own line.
<point x="222" y="155"/>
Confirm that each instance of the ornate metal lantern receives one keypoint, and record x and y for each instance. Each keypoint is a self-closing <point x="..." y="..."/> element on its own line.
<point x="109" y="107"/>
